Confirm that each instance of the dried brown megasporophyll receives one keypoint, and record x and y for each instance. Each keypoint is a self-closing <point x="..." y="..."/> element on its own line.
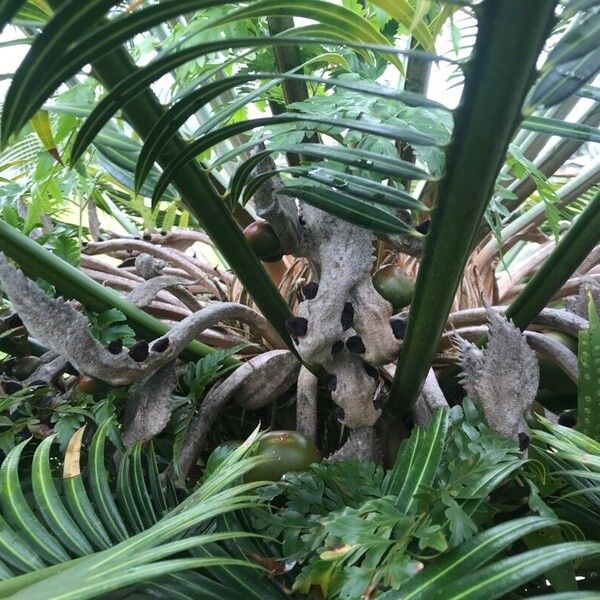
<point x="503" y="376"/>
<point x="59" y="326"/>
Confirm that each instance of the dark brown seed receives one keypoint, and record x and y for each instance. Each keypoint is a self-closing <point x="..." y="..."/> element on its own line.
<point x="423" y="226"/>
<point x="523" y="441"/>
<point x="398" y="328"/>
<point x="139" y="351"/>
<point x="128" y="262"/>
<point x="147" y="237"/>
<point x="337" y="347"/>
<point x="160" y="345"/>
<point x="338" y="413"/>
<point x="332" y="383"/>
<point x="297" y="326"/>
<point x="13" y="321"/>
<point x="355" y="344"/>
<point x="567" y="420"/>
<point x="347" y="316"/>
<point x="12" y="387"/>
<point x="309" y="291"/>
<point x="115" y="346"/>
<point x="163" y="232"/>
<point x="371" y="371"/>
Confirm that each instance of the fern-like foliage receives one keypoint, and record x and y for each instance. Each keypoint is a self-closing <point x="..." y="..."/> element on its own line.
<point x="425" y="529"/>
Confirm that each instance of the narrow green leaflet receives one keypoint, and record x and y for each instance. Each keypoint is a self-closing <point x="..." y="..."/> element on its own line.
<point x="101" y="493"/>
<point x="170" y="122"/>
<point x="15" y="551"/>
<point x="322" y="12"/>
<point x="386" y="166"/>
<point x="137" y="82"/>
<point x="427" y="459"/>
<point x="470" y="555"/>
<point x="576" y="42"/>
<point x="66" y="45"/>
<point x="559" y="83"/>
<point x="407" y="456"/>
<point x="8" y="9"/>
<point x="17" y="511"/>
<point x="588" y="385"/>
<point x="43" y="54"/>
<point x="349" y="209"/>
<point x="50" y="504"/>
<point x="358" y="187"/>
<point x="502" y="577"/>
<point x="208" y="140"/>
<point x="575" y="131"/>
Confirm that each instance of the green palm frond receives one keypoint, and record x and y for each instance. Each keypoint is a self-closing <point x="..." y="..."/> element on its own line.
<point x="100" y="529"/>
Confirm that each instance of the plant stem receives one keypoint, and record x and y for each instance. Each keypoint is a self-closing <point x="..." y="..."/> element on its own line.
<point x="577" y="243"/>
<point x="510" y="37"/>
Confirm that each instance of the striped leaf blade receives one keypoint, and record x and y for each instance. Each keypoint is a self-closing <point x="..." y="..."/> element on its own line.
<point x="500" y="578"/>
<point x="321" y="12"/>
<point x="55" y="514"/>
<point x="470" y="555"/>
<point x="170" y="122"/>
<point x="8" y="9"/>
<point x="127" y="89"/>
<point x="140" y="491"/>
<point x="77" y="498"/>
<point x="353" y="185"/>
<point x="101" y="493"/>
<point x="207" y="141"/>
<point x="126" y="495"/>
<point x="349" y="209"/>
<point x="159" y="497"/>
<point x="564" y="129"/>
<point x="16" y="552"/>
<point x="19" y="515"/>
<point x="423" y="468"/>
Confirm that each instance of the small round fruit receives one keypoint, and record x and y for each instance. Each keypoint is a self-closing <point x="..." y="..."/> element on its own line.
<point x="391" y="283"/>
<point x="285" y="451"/>
<point x="264" y="241"/>
<point x="552" y="377"/>
<point x="91" y="385"/>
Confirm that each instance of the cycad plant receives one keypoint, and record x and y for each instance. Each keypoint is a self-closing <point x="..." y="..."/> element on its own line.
<point x="376" y="238"/>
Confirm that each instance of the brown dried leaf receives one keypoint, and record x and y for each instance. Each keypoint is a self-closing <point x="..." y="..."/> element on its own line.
<point x="509" y="378"/>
